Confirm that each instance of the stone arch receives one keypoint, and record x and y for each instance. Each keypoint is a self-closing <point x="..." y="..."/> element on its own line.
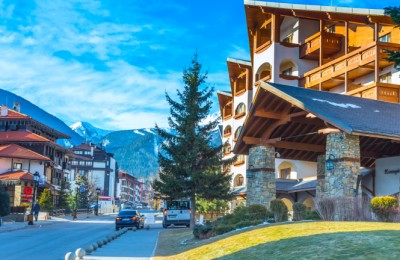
<point x="264" y="72"/>
<point x="288" y="203"/>
<point x="288" y="68"/>
<point x="309" y="203"/>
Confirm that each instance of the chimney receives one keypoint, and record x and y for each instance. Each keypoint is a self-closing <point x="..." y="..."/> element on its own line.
<point x="17" y="107"/>
<point x="4" y="110"/>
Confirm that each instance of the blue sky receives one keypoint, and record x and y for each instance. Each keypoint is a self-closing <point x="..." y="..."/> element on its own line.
<point x="110" y="62"/>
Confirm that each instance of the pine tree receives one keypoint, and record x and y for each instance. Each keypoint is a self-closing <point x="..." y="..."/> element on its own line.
<point x="190" y="165"/>
<point x="394" y="56"/>
<point x="63" y="196"/>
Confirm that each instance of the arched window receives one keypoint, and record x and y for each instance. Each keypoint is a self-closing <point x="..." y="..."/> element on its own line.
<point x="239" y="160"/>
<point x="264" y="73"/>
<point x="238" y="181"/>
<point x="227" y="131"/>
<point x="285" y="170"/>
<point x="226" y="149"/>
<point x="237" y="132"/>
<point x="240" y="110"/>
<point x="288" y="70"/>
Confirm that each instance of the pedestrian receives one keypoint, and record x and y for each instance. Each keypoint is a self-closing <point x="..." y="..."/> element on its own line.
<point x="113" y="208"/>
<point x="36" y="210"/>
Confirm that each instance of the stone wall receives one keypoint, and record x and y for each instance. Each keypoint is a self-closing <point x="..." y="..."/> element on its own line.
<point x="261" y="185"/>
<point x="320" y="175"/>
<point x="342" y="180"/>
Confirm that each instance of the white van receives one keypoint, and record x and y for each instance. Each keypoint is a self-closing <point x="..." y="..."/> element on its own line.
<point x="176" y="212"/>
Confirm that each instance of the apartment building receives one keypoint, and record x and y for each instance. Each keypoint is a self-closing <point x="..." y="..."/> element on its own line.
<point x="98" y="167"/>
<point x="331" y="49"/>
<point x="130" y="190"/>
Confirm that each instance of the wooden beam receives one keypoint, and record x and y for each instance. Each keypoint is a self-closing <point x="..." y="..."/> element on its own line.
<point x="328" y="131"/>
<point x="275" y="142"/>
<point x="362" y="19"/>
<point x="380" y="19"/>
<point x="264" y="114"/>
<point x="265" y="24"/>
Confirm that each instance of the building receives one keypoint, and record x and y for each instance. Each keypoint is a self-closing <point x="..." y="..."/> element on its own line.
<point x="29" y="146"/>
<point x="97" y="166"/>
<point x="130" y="190"/>
<point x="325" y="48"/>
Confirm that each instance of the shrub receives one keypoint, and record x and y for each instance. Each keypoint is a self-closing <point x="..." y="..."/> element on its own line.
<point x="384" y="207"/>
<point x="279" y="209"/>
<point x="45" y="200"/>
<point x="201" y="230"/>
<point x="299" y="211"/>
<point x="312" y="215"/>
<point x="4" y="204"/>
<point x="325" y="208"/>
<point x="223" y="228"/>
<point x="257" y="212"/>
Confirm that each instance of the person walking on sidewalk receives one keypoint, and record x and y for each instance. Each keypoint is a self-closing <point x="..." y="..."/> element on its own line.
<point x="36" y="210"/>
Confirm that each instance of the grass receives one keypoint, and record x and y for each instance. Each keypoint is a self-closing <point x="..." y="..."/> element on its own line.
<point x="306" y="240"/>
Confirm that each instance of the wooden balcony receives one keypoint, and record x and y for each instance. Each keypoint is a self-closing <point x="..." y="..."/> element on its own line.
<point x="380" y="91"/>
<point x="332" y="43"/>
<point x="357" y="64"/>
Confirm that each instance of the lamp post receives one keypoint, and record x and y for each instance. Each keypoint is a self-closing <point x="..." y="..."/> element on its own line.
<point x="35" y="182"/>
<point x="97" y="201"/>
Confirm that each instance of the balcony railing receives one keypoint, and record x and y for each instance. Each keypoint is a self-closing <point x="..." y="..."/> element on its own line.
<point x="356" y="63"/>
<point x="379" y="91"/>
<point x="332" y="43"/>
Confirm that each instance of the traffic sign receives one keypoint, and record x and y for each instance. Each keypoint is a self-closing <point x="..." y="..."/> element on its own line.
<point x="28" y="190"/>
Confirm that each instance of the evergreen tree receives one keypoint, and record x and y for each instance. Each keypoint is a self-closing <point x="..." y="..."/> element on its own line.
<point x="82" y="193"/>
<point x="63" y="197"/>
<point x="394" y="56"/>
<point x="4" y="203"/>
<point x="190" y="166"/>
<point x="45" y="200"/>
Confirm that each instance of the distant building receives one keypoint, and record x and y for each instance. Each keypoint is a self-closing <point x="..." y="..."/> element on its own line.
<point x="130" y="190"/>
<point x="98" y="166"/>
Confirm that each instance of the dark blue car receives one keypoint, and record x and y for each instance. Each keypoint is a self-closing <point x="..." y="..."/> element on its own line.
<point x="129" y="218"/>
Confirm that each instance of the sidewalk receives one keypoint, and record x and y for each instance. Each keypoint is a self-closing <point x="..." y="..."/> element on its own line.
<point x="13" y="226"/>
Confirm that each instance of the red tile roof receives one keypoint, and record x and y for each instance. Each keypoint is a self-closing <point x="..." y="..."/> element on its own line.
<point x="21" y="136"/>
<point x="15" y="115"/>
<point x="16" y="151"/>
<point x="17" y="175"/>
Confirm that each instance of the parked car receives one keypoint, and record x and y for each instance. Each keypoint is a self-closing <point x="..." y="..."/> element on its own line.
<point x="139" y="206"/>
<point x="127" y="207"/>
<point x="129" y="218"/>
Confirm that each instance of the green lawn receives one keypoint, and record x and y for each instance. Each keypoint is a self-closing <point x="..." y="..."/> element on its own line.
<point x="306" y="240"/>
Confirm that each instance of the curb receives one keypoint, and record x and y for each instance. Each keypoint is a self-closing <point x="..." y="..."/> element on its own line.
<point x="27" y="227"/>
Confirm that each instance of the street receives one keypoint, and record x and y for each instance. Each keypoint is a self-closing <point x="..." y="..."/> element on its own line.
<point x="54" y="241"/>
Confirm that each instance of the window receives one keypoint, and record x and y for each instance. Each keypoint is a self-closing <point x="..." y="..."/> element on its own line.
<point x="386" y="78"/>
<point x="240" y="109"/>
<point x="331" y="29"/>
<point x="288" y="72"/>
<point x="81" y="172"/>
<point x="227" y="149"/>
<point x="74" y="162"/>
<point x="288" y="38"/>
<point x="239" y="180"/>
<point x="386" y="38"/>
<point x="237" y="132"/>
<point x="81" y="163"/>
<point x="17" y="166"/>
<point x="239" y="160"/>
<point x="285" y="173"/>
<point x="227" y="131"/>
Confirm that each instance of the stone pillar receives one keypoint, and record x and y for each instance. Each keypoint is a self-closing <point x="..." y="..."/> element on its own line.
<point x="342" y="180"/>
<point x="261" y="185"/>
<point x="320" y="189"/>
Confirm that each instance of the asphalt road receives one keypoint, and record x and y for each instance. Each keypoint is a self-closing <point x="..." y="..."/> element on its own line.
<point x="52" y="242"/>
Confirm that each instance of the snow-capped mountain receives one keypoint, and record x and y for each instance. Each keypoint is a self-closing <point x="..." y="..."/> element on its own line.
<point x="89" y="132"/>
<point x="135" y="150"/>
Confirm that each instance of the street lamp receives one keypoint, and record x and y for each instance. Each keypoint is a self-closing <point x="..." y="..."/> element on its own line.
<point x="329" y="162"/>
<point x="97" y="201"/>
<point x="35" y="182"/>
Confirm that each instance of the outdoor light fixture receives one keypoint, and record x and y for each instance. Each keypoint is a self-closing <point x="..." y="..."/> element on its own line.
<point x="329" y="162"/>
